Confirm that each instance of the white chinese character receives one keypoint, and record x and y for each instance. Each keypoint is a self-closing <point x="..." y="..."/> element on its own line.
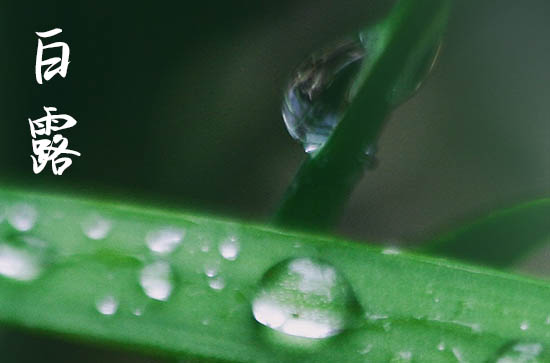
<point x="53" y="150"/>
<point x="62" y="62"/>
<point x="48" y="123"/>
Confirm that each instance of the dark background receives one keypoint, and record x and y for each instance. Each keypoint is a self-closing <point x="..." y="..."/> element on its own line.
<point x="178" y="103"/>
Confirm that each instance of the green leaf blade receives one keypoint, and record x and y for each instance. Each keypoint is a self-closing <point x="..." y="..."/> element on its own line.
<point x="411" y="303"/>
<point x="500" y="238"/>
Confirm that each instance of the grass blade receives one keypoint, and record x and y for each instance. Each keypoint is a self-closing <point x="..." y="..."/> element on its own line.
<point x="499" y="239"/>
<point x="412" y="304"/>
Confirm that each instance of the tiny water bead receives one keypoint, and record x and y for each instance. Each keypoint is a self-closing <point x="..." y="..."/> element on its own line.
<point x="305" y="297"/>
<point x="137" y="312"/>
<point x="22" y="216"/>
<point x="229" y="248"/>
<point x="107" y="305"/>
<point x="325" y="84"/>
<point x="164" y="240"/>
<point x="391" y="251"/>
<point x="156" y="279"/>
<point x="402" y="357"/>
<point x="522" y="353"/>
<point x="217" y="283"/>
<point x="211" y="268"/>
<point x="96" y="227"/>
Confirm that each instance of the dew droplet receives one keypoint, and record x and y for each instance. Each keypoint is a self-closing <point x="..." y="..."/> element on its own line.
<point x="324" y="85"/>
<point x="137" y="312"/>
<point x="156" y="280"/>
<point x="107" y="305"/>
<point x="402" y="357"/>
<point x="441" y="346"/>
<point x="22" y="259"/>
<point x="391" y="251"/>
<point x="205" y="246"/>
<point x="164" y="240"/>
<point x="318" y="93"/>
<point x="217" y="283"/>
<point x="521" y="353"/>
<point x="305" y="297"/>
<point x="524" y="325"/>
<point x="229" y="248"/>
<point x="211" y="268"/>
<point x="96" y="227"/>
<point x="366" y="349"/>
<point x="22" y="216"/>
<point x="18" y="264"/>
<point x="458" y="355"/>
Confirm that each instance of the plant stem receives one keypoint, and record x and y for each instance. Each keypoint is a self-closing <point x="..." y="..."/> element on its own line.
<point x="320" y="190"/>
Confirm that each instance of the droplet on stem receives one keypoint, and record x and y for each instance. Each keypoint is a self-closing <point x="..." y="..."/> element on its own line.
<point x="324" y="85"/>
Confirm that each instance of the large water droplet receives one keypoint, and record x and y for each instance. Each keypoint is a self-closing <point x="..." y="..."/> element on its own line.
<point x="22" y="259"/>
<point x="318" y="93"/>
<point x="521" y="353"/>
<point x="324" y="85"/>
<point x="96" y="227"/>
<point x="165" y="240"/>
<point x="305" y="297"/>
<point x="156" y="280"/>
<point x="22" y="216"/>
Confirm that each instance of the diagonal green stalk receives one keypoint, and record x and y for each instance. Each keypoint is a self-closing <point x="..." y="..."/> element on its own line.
<point x="324" y="182"/>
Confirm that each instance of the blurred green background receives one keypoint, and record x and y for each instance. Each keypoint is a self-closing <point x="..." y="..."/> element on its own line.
<point x="179" y="104"/>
